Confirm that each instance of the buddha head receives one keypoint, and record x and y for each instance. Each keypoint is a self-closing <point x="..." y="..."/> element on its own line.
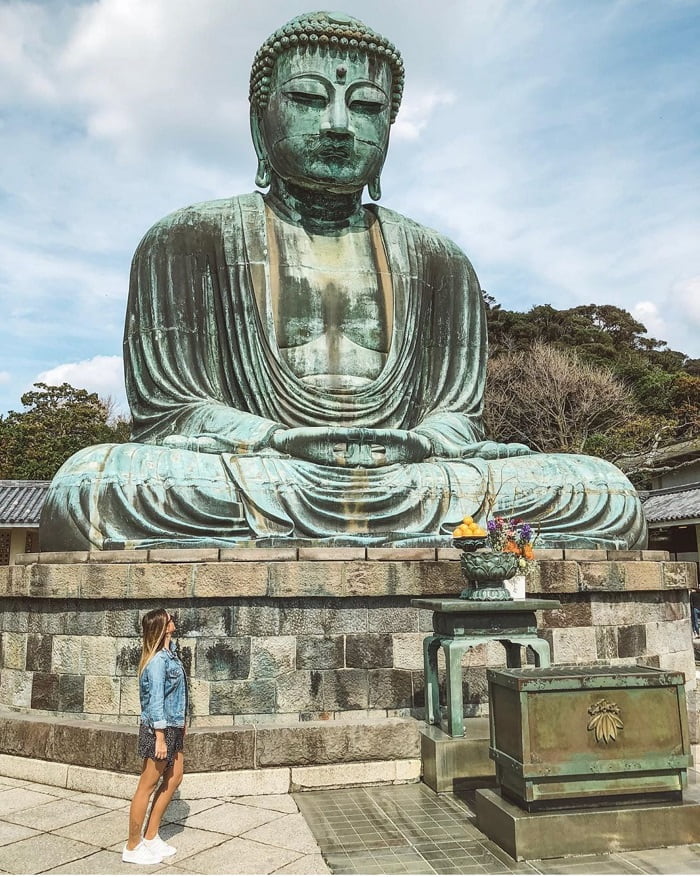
<point x="324" y="91"/>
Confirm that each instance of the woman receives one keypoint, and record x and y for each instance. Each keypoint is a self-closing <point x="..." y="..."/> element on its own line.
<point x="163" y="694"/>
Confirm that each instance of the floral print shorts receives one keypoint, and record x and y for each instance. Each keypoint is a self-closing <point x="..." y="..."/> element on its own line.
<point x="174" y="741"/>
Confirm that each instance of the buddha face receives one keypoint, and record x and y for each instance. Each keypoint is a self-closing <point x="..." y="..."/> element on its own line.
<point x="326" y="125"/>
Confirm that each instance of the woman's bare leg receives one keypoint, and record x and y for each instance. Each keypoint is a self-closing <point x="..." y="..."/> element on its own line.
<point x="151" y="772"/>
<point x="171" y="780"/>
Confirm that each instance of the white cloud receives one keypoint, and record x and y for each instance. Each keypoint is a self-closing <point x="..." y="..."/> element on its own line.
<point x="103" y="375"/>
<point x="27" y="35"/>
<point x="416" y="112"/>
<point x="686" y="299"/>
<point x="5" y="377"/>
<point x="162" y="73"/>
<point x="647" y="312"/>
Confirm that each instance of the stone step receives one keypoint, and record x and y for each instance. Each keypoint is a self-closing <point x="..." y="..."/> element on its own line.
<point x="234" y="748"/>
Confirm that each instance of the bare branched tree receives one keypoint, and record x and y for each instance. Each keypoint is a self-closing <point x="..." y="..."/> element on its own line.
<point x="551" y="400"/>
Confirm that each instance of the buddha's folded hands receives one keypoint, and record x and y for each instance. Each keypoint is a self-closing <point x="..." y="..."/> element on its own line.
<point x="352" y="446"/>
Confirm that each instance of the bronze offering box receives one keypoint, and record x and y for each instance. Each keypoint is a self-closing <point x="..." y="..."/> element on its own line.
<point x="576" y="735"/>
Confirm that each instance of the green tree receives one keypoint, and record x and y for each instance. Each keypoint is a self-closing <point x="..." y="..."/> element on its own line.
<point x="57" y="422"/>
<point x="601" y="334"/>
<point x="664" y="383"/>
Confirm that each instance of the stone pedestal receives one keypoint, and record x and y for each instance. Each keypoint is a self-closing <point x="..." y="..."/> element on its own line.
<point x="451" y="763"/>
<point x="588" y="760"/>
<point x="551" y="834"/>
<point x="291" y="641"/>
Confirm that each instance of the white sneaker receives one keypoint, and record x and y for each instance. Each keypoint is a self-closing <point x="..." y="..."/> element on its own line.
<point x="158" y="845"/>
<point x="141" y="855"/>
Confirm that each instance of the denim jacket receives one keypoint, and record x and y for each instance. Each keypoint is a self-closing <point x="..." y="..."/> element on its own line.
<point x="163" y="691"/>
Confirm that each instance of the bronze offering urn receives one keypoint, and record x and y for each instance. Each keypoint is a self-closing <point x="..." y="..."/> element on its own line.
<point x="484" y="570"/>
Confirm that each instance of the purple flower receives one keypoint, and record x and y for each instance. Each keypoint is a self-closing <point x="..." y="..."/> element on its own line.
<point x="525" y="532"/>
<point x="491" y="526"/>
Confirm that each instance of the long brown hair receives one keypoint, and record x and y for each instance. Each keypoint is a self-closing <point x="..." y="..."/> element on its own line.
<point x="155" y="626"/>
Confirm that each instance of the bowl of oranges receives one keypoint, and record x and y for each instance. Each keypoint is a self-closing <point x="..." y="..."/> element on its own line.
<point x="469" y="536"/>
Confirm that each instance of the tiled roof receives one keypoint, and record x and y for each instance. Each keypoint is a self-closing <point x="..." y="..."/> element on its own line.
<point x="672" y="504"/>
<point x="21" y="502"/>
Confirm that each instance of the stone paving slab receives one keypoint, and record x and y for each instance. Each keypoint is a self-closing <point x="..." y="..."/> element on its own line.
<point x="232" y="819"/>
<point x="104" y="862"/>
<point x="104" y="801"/>
<point x="289" y="832"/>
<point x="181" y="809"/>
<point x="22" y="799"/>
<point x="403" y="829"/>
<point x="281" y="803"/>
<point x="9" y="833"/>
<point x="34" y="855"/>
<point x="55" y="814"/>
<point x="107" y="829"/>
<point x="54" y="791"/>
<point x="305" y="865"/>
<point x="247" y="856"/>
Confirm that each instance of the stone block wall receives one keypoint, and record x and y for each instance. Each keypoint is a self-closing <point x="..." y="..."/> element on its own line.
<point x="252" y="659"/>
<point x="278" y="636"/>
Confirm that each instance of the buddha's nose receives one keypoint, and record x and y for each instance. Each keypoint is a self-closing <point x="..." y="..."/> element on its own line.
<point x="337" y="118"/>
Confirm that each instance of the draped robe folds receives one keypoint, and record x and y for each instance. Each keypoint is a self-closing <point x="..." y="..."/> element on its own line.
<point x="208" y="386"/>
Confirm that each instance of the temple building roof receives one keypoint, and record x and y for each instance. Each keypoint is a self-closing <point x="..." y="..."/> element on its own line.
<point x="673" y="504"/>
<point x="21" y="502"/>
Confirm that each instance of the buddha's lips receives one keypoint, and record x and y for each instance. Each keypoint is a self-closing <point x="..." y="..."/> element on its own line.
<point x="337" y="151"/>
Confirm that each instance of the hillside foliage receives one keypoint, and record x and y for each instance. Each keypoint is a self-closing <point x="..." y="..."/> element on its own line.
<point x="647" y="395"/>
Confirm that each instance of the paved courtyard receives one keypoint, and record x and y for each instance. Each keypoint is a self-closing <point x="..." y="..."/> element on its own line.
<point x="401" y="829"/>
<point x="49" y="830"/>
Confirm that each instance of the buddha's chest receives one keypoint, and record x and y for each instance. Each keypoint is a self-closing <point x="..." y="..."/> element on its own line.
<point x="331" y="310"/>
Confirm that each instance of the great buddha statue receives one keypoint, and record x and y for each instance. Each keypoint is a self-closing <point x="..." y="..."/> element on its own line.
<point x="300" y="365"/>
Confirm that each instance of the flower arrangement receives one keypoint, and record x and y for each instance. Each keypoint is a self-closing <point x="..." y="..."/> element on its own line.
<point x="514" y="536"/>
<point x="509" y="535"/>
<point x="493" y="554"/>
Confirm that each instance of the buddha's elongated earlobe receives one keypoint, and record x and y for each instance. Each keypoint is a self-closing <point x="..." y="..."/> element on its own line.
<point x="374" y="187"/>
<point x="262" y="177"/>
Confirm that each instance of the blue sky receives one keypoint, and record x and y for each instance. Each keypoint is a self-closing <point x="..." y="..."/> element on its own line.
<point x="556" y="141"/>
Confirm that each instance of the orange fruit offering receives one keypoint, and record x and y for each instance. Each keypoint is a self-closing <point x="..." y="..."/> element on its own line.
<point x="468" y="529"/>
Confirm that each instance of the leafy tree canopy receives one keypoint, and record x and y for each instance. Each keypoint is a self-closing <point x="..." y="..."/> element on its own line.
<point x="664" y="384"/>
<point x="57" y="422"/>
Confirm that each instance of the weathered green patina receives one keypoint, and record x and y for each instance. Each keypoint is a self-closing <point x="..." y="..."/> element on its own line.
<point x="303" y="366"/>
<point x="568" y="734"/>
<point x="458" y="626"/>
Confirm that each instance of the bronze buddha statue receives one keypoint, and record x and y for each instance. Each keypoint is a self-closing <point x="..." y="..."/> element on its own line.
<point x="302" y="366"/>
